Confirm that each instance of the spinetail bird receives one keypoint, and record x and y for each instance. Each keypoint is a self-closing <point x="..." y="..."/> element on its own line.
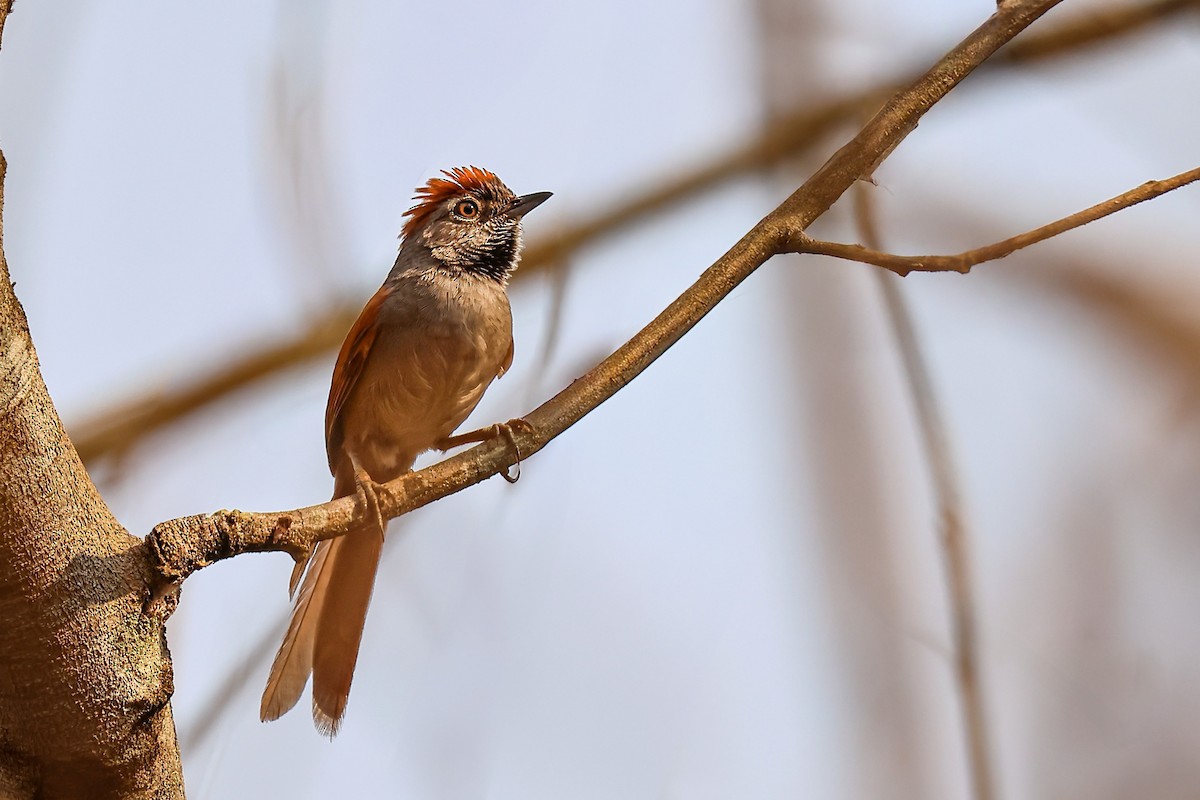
<point x="414" y="365"/>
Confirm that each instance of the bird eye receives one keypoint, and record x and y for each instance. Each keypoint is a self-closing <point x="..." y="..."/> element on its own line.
<point x="467" y="209"/>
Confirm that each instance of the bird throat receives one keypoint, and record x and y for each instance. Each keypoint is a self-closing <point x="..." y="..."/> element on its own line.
<point x="494" y="258"/>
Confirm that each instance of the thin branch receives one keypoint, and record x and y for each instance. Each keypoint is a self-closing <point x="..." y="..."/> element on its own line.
<point x="114" y="431"/>
<point x="959" y="583"/>
<point x="178" y="547"/>
<point x="962" y="262"/>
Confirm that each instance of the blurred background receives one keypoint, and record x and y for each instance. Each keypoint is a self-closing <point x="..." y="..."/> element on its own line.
<point x="727" y="581"/>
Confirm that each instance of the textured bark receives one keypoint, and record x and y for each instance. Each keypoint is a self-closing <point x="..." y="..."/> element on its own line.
<point x="85" y="676"/>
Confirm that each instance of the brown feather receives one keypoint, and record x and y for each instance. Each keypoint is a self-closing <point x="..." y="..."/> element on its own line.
<point x="325" y="631"/>
<point x="351" y="360"/>
<point x="293" y="662"/>
<point x="298" y="573"/>
<point x="353" y="561"/>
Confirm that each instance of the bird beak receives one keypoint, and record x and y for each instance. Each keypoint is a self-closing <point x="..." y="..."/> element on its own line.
<point x="526" y="203"/>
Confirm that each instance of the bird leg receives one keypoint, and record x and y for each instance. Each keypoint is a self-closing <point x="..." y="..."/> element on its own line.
<point x="368" y="496"/>
<point x="500" y="429"/>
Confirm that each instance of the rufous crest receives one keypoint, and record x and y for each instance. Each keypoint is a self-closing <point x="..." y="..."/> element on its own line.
<point x="476" y="181"/>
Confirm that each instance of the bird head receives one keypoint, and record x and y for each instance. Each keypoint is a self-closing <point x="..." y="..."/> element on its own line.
<point x="470" y="221"/>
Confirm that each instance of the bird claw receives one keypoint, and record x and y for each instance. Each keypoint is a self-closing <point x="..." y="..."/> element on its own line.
<point x="500" y="429"/>
<point x="368" y="496"/>
<point x="505" y="429"/>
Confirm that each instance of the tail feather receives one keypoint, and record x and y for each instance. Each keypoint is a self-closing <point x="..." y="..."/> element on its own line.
<point x="327" y="621"/>
<point x="293" y="662"/>
<point x="297" y="574"/>
<point x="352" y="564"/>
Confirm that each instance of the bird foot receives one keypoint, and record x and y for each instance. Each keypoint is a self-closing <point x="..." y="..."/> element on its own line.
<point x="368" y="497"/>
<point x="500" y="429"/>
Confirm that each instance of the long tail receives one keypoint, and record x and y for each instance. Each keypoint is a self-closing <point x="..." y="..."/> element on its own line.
<point x="325" y="629"/>
<point x="352" y="564"/>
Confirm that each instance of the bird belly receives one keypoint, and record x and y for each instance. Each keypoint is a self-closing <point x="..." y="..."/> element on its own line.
<point x="418" y="390"/>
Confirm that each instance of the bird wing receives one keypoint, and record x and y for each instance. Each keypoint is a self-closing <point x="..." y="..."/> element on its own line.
<point x="351" y="361"/>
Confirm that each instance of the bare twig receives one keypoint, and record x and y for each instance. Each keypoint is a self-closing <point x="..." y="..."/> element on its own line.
<point x="952" y="528"/>
<point x="179" y="547"/>
<point x="115" y="430"/>
<point x="962" y="262"/>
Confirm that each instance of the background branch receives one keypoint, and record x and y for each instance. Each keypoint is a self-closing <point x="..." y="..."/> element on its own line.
<point x="951" y="525"/>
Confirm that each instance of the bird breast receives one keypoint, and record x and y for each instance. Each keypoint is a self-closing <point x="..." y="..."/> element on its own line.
<point x="442" y="341"/>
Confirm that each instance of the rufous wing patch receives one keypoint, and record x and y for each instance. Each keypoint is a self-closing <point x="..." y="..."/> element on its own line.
<point x="351" y="360"/>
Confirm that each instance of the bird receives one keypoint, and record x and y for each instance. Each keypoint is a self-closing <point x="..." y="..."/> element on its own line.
<point x="413" y="366"/>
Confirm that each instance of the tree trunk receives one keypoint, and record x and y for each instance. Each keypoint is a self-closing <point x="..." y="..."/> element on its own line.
<point x="85" y="676"/>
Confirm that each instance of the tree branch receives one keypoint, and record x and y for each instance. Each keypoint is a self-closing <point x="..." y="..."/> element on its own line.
<point x="115" y="430"/>
<point x="179" y="547"/>
<point x="951" y="527"/>
<point x="962" y="262"/>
